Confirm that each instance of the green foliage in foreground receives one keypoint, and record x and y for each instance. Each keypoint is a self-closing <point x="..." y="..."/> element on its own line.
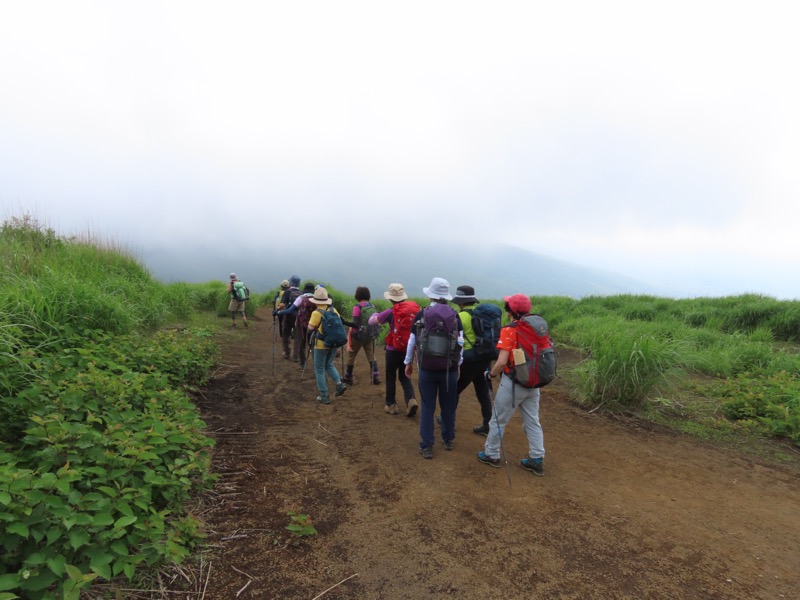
<point x="100" y="447"/>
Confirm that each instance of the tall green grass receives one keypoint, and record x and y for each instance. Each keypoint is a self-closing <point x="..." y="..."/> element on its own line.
<point x="638" y="348"/>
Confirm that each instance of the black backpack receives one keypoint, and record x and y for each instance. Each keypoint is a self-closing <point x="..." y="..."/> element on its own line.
<point x="486" y="323"/>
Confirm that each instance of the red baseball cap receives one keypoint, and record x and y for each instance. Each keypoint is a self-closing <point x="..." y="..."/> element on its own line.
<point x="519" y="304"/>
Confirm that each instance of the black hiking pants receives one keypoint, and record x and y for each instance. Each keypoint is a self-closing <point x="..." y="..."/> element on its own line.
<point x="395" y="369"/>
<point x="472" y="373"/>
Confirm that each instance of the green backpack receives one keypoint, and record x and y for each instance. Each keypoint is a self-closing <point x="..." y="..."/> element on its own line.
<point x="239" y="291"/>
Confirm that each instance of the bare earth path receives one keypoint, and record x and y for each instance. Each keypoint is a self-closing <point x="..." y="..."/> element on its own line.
<point x="622" y="512"/>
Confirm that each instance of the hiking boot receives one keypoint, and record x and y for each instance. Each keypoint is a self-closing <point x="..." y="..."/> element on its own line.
<point x="427" y="452"/>
<point x="534" y="465"/>
<point x="286" y="356"/>
<point x="324" y="399"/>
<point x="348" y="379"/>
<point x="448" y="444"/>
<point x="492" y="462"/>
<point x="481" y="430"/>
<point x="341" y="388"/>
<point x="246" y="323"/>
<point x="391" y="409"/>
<point x="233" y="325"/>
<point x="411" y="407"/>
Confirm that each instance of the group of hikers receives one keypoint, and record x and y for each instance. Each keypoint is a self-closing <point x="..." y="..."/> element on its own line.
<point x="452" y="349"/>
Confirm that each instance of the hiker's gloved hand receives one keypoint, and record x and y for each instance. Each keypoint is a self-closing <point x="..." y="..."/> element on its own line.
<point x="275" y="312"/>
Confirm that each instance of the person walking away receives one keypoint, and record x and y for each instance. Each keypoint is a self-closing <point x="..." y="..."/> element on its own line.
<point x="511" y="396"/>
<point x="361" y="335"/>
<point x="300" y="310"/>
<point x="304" y="308"/>
<point x="287" y="333"/>
<point x="437" y="341"/>
<point x="324" y="356"/>
<point x="278" y="305"/>
<point x="399" y="318"/>
<point x="477" y="359"/>
<point x="239" y="295"/>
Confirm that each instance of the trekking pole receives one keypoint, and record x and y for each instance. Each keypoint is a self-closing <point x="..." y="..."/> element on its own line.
<point x="311" y="338"/>
<point x="274" y="334"/>
<point x="499" y="430"/>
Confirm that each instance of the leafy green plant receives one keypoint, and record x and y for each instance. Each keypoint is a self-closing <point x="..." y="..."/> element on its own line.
<point x="300" y="525"/>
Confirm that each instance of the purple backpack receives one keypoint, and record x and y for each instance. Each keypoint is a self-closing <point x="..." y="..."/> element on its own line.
<point x="437" y="338"/>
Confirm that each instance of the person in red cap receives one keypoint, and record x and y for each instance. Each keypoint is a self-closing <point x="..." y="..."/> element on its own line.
<point x="509" y="396"/>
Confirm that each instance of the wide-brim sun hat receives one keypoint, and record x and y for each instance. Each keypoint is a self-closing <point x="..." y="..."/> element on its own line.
<point x="465" y="294"/>
<point x="321" y="296"/>
<point x="233" y="275"/>
<point x="439" y="289"/>
<point x="294" y="280"/>
<point x="396" y="292"/>
<point x="520" y="304"/>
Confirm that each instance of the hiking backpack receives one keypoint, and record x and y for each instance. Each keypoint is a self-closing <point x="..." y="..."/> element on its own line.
<point x="486" y="319"/>
<point x="239" y="291"/>
<point x="331" y="330"/>
<point x="365" y="331"/>
<point x="533" y="337"/>
<point x="437" y="338"/>
<point x="304" y="313"/>
<point x="403" y="314"/>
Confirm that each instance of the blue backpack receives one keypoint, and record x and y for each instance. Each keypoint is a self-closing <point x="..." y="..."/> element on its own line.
<point x="486" y="322"/>
<point x="331" y="330"/>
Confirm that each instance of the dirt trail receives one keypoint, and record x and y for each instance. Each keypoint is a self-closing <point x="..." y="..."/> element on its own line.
<point x="622" y="512"/>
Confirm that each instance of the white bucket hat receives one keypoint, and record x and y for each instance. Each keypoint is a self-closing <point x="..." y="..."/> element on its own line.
<point x="439" y="289"/>
<point x="396" y="292"/>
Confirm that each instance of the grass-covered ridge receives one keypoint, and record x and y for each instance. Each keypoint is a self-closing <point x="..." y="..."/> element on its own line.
<point x="100" y="446"/>
<point x="687" y="362"/>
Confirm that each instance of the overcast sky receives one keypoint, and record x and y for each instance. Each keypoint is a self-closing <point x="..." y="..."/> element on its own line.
<point x="657" y="140"/>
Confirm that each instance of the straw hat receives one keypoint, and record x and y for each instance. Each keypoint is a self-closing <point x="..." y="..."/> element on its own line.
<point x="396" y="292"/>
<point x="321" y="296"/>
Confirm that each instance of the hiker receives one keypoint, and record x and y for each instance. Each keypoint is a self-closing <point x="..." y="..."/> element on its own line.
<point x="277" y="305"/>
<point x="437" y="341"/>
<point x="238" y="300"/>
<point x="399" y="318"/>
<point x="300" y="310"/>
<point x="304" y="308"/>
<point x="511" y="396"/>
<point x="287" y="332"/>
<point x="324" y="355"/>
<point x="361" y="335"/>
<point x="476" y="359"/>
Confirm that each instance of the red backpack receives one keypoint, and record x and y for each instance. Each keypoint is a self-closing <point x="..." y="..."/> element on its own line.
<point x="539" y="368"/>
<point x="304" y="313"/>
<point x="403" y="314"/>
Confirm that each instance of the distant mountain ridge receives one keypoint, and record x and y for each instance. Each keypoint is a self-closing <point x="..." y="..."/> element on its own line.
<point x="493" y="271"/>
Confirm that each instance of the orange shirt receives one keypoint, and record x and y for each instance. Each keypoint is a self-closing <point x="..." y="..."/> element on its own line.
<point x="508" y="341"/>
